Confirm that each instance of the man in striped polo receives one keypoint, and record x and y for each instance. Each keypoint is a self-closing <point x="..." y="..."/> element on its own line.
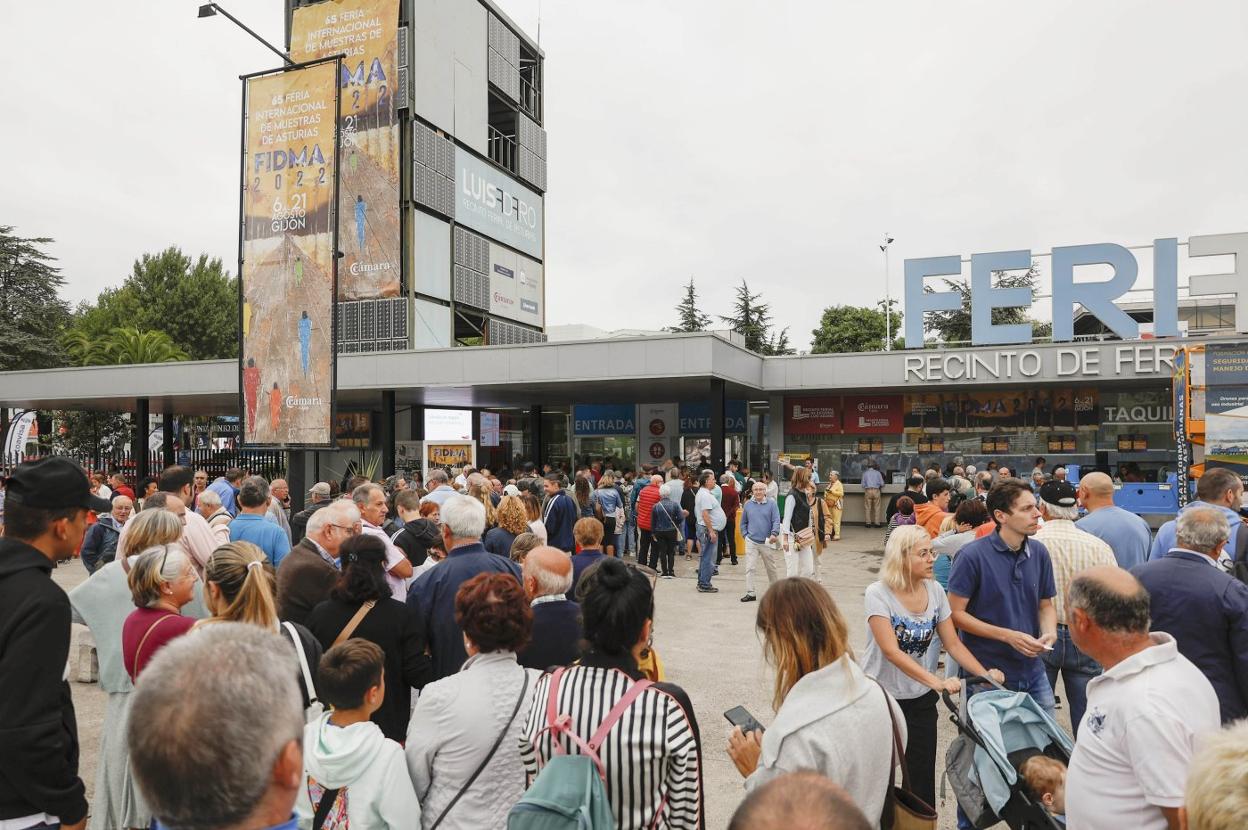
<point x="1072" y="550"/>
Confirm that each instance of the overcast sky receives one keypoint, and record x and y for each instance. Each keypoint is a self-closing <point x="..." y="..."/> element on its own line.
<point x="720" y="140"/>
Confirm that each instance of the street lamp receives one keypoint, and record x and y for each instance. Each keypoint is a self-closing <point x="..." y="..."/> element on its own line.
<point x="888" y="299"/>
<point x="212" y="10"/>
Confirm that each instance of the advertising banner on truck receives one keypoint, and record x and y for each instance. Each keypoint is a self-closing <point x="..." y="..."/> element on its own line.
<point x="287" y="271"/>
<point x="367" y="33"/>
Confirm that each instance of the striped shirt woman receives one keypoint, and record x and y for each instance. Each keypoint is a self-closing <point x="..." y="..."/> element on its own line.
<point x="652" y="756"/>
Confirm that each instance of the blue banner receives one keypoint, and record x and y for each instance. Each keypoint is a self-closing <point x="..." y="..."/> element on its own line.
<point x="604" y="419"/>
<point x="695" y="418"/>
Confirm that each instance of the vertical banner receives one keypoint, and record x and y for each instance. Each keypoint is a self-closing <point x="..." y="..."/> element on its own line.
<point x="1182" y="441"/>
<point x="286" y="262"/>
<point x="367" y="33"/>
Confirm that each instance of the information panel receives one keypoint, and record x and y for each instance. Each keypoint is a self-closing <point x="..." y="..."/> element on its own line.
<point x="367" y="33"/>
<point x="287" y="269"/>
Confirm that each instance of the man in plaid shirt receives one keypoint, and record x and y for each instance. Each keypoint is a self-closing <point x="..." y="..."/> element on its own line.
<point x="1072" y="550"/>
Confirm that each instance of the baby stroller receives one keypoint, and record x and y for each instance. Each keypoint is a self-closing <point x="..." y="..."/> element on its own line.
<point x="997" y="731"/>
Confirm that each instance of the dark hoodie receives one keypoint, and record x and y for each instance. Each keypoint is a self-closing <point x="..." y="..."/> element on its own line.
<point x="38" y="732"/>
<point x="416" y="538"/>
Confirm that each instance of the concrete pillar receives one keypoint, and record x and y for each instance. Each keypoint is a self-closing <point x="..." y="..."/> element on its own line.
<point x="387" y="433"/>
<point x="166" y="445"/>
<point x="138" y="441"/>
<point x="718" y="435"/>
<point x="775" y="424"/>
<point x="536" y="448"/>
<point x="297" y="478"/>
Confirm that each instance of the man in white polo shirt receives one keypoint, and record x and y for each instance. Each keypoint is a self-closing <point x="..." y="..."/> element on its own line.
<point x="1145" y="714"/>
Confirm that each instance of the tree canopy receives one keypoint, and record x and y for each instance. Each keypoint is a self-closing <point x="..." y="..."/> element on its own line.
<point x="33" y="317"/>
<point x="847" y="328"/>
<point x="955" y="326"/>
<point x="194" y="302"/>
<point x="752" y="318"/>
<point x="688" y="312"/>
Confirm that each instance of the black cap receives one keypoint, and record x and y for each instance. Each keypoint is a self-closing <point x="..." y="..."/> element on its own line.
<point x="52" y="483"/>
<point x="1058" y="493"/>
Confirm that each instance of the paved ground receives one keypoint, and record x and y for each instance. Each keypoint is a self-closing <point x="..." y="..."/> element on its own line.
<point x="708" y="644"/>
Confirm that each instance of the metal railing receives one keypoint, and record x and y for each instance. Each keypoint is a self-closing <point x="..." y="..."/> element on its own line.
<point x="502" y="148"/>
<point x="268" y="463"/>
<point x="531" y="100"/>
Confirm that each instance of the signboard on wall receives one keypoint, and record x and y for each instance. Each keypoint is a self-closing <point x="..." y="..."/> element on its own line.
<point x="695" y="417"/>
<point x="515" y="286"/>
<point x="287" y="270"/>
<point x="490" y="201"/>
<point x="656" y="429"/>
<point x="604" y="419"/>
<point x="812" y="416"/>
<point x="872" y="414"/>
<point x="353" y="429"/>
<point x="448" y="424"/>
<point x="448" y="455"/>
<point x="367" y="31"/>
<point x="489" y="429"/>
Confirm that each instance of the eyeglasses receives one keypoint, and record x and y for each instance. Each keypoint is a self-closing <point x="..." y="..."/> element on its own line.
<point x="926" y="553"/>
<point x="350" y="529"/>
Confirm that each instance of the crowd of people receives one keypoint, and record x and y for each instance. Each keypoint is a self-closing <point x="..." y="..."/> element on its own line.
<point x="473" y="651"/>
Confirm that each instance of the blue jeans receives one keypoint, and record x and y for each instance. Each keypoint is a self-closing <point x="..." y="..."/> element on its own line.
<point x="1077" y="670"/>
<point x="1035" y="683"/>
<point x="706" y="563"/>
<point x="630" y="534"/>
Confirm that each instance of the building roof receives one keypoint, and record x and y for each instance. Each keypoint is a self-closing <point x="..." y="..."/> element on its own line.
<point x="655" y="368"/>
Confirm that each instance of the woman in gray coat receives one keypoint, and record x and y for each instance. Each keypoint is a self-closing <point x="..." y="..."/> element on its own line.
<point x="821" y="697"/>
<point x="458" y="719"/>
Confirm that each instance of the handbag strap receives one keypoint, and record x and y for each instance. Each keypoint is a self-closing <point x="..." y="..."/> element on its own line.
<point x="139" y="651"/>
<point x="303" y="663"/>
<point x="899" y="755"/>
<point x="354" y="622"/>
<point x="328" y="797"/>
<point x="497" y="743"/>
<point x="558" y="724"/>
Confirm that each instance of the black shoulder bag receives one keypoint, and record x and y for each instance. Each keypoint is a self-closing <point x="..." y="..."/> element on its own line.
<point x="489" y="757"/>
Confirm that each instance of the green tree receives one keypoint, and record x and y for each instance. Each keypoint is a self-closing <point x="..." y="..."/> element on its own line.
<point x="33" y="317"/>
<point x="194" y="302"/>
<point x="751" y="318"/>
<point x="955" y="326"/>
<point x="90" y="434"/>
<point x="778" y="344"/>
<point x="690" y="315"/>
<point x="130" y="346"/>
<point x="847" y="328"/>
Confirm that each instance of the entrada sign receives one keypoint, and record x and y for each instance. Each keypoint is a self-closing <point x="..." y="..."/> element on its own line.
<point x="1097" y="297"/>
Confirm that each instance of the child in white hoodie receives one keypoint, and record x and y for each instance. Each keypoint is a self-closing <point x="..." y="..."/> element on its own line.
<point x="346" y="758"/>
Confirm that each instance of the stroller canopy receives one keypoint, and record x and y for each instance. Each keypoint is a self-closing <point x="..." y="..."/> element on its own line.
<point x="1007" y="722"/>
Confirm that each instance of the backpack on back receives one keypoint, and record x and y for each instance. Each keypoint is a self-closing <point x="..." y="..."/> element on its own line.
<point x="570" y="791"/>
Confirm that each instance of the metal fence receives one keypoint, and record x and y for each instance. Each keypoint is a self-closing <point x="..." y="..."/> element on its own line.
<point x="268" y="463"/>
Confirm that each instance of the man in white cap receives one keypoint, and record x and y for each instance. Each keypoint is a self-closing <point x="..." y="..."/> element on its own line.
<point x="318" y="497"/>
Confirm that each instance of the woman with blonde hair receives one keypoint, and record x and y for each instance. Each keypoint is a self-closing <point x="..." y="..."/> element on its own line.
<point x="908" y="619"/>
<point x="534" y="508"/>
<point x="241" y="587"/>
<point x="799" y="526"/>
<point x="103" y="604"/>
<point x="821" y="696"/>
<point x="479" y="489"/>
<point x="148" y="529"/>
<point x="607" y="500"/>
<point x="512" y="520"/>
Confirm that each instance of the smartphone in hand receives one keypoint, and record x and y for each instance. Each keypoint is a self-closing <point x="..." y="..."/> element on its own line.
<point x="740" y="716"/>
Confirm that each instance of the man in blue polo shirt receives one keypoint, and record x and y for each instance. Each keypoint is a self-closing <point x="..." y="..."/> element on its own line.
<point x="251" y="524"/>
<point x="1001" y="592"/>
